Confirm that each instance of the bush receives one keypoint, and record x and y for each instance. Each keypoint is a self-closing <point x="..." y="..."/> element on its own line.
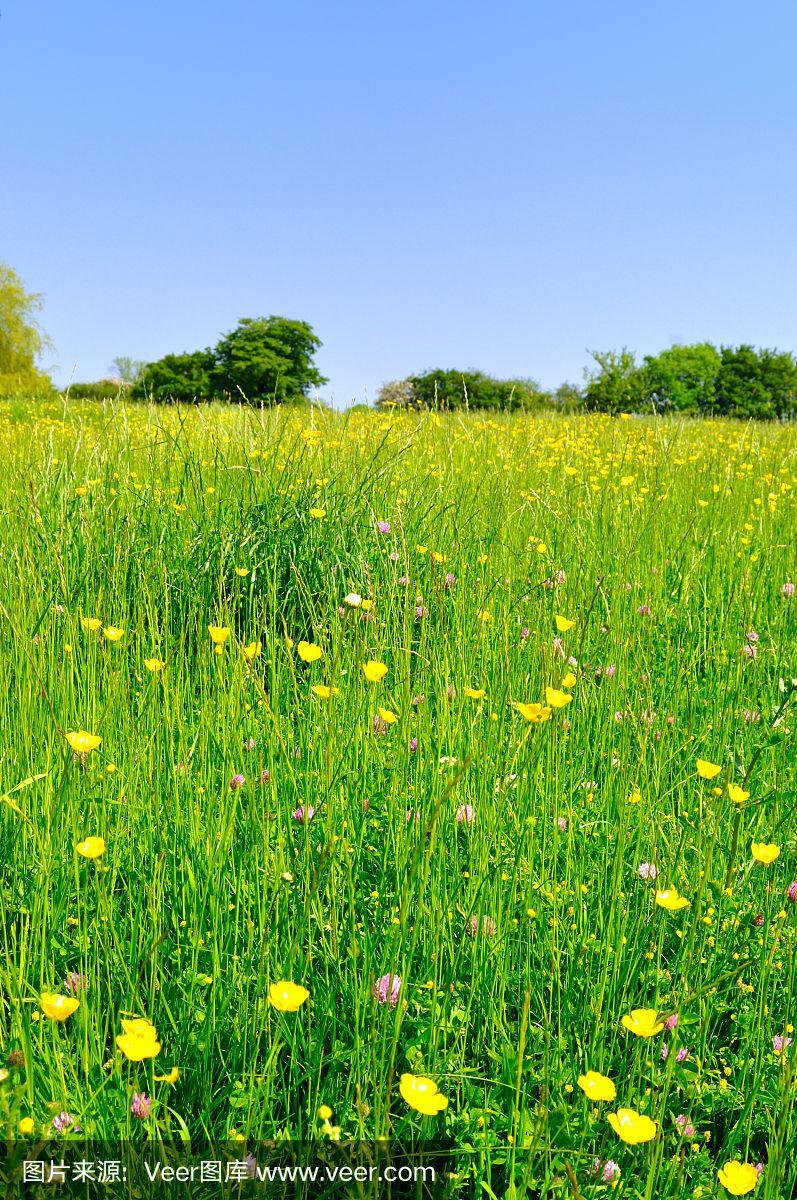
<point x="439" y="389"/>
<point x="103" y="389"/>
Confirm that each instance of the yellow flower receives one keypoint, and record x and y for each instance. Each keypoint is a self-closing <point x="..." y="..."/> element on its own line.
<point x="139" y="1040"/>
<point x="374" y="671"/>
<point x="91" y="624"/>
<point x="738" y="1178"/>
<point x="241" y="572"/>
<point x="286" y="996"/>
<point x="484" y="615"/>
<point x="91" y="847"/>
<point x="58" y="1007"/>
<point x="555" y="698"/>
<point x="26" y="1125"/>
<point x="706" y="769"/>
<point x="569" y="680"/>
<point x="632" y="1127"/>
<point x="634" y="796"/>
<point x="765" y="852"/>
<point x="644" y="1022"/>
<point x="251" y="651"/>
<point x="218" y="634"/>
<point x="323" y="691"/>
<point x="387" y="716"/>
<point x="318" y="514"/>
<point x="737" y="794"/>
<point x="171" y="1076"/>
<point x="324" y="1112"/>
<point x="113" y="634"/>
<point x="422" y="1094"/>
<point x="597" y="1086"/>
<point x="154" y="664"/>
<point x="366" y="605"/>
<point x="671" y="900"/>
<point x="82" y="742"/>
<point x="474" y="693"/>
<point x="533" y="712"/>
<point x="308" y="652"/>
<point x="563" y="624"/>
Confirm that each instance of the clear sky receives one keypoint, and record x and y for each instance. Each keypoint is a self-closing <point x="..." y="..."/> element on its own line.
<point x="501" y="186"/>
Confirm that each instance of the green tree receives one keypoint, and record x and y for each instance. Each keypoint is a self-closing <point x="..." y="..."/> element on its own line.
<point x="470" y="389"/>
<point x="618" y="384"/>
<point x="21" y="339"/>
<point x="182" y="377"/>
<point x="268" y="358"/>
<point x="682" y="378"/>
<point x="757" y="384"/>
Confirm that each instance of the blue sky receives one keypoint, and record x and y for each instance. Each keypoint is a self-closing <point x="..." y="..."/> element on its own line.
<point x="428" y="184"/>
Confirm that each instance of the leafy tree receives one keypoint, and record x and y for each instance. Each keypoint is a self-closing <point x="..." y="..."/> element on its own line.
<point x="127" y="369"/>
<point x="21" y="339"/>
<point x="472" y="389"/>
<point x="756" y="384"/>
<point x="182" y="377"/>
<point x="617" y="385"/>
<point x="682" y="378"/>
<point x="568" y="397"/>
<point x="270" y="358"/>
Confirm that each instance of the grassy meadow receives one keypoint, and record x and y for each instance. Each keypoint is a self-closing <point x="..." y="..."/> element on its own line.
<point x="478" y="862"/>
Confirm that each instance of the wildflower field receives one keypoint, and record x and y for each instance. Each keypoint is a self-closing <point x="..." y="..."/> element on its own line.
<point x="395" y="779"/>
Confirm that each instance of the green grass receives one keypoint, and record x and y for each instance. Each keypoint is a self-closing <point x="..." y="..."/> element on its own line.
<point x="674" y="541"/>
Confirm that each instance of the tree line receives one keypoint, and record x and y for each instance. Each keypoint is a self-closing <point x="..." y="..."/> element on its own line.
<point x="271" y="360"/>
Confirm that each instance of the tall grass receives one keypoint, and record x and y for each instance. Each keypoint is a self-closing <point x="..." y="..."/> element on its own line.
<point x="489" y="862"/>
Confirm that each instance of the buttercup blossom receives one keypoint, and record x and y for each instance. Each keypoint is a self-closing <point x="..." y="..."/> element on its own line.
<point x="58" y="1007"/>
<point x="765" y="852"/>
<point x="286" y="996"/>
<point x="422" y="1094"/>
<point x="82" y="742"/>
<point x="632" y="1127"/>
<point x="671" y="900"/>
<point x="643" y="1022"/>
<point x="738" y="1178"/>
<point x="597" y="1086"/>
<point x="138" y="1040"/>
<point x="91" y="847"/>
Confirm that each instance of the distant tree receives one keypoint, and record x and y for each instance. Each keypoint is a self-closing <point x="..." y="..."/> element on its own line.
<point x="270" y="358"/>
<point x="127" y="369"/>
<point x="396" y="394"/>
<point x="757" y="384"/>
<point x="618" y="384"/>
<point x="568" y="397"/>
<point x="182" y="377"/>
<point x="265" y="360"/>
<point x="682" y="378"/>
<point x="472" y="389"/>
<point x="21" y="338"/>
